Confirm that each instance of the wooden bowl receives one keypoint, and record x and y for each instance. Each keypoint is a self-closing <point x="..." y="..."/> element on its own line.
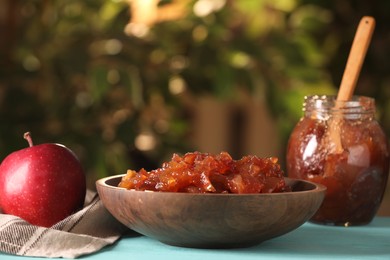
<point x="211" y="220"/>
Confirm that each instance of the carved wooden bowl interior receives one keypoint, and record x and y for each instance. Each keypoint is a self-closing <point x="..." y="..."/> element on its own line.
<point x="211" y="220"/>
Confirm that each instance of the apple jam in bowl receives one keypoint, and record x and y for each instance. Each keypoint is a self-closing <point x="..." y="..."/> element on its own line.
<point x="211" y="201"/>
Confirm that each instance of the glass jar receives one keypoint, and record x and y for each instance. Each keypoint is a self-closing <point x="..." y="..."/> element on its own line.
<point x="342" y="146"/>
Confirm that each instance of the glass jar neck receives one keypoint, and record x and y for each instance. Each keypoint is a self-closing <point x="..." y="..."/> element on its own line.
<point x="325" y="107"/>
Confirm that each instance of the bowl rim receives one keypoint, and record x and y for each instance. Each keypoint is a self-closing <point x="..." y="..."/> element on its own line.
<point x="317" y="188"/>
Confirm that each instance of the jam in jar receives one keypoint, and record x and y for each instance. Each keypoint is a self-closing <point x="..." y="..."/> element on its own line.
<point x="342" y="146"/>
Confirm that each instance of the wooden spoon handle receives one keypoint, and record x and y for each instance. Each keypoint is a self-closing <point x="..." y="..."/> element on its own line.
<point x="356" y="57"/>
<point x="351" y="74"/>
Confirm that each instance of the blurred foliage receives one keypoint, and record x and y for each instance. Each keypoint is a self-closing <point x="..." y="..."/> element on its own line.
<point x="69" y="73"/>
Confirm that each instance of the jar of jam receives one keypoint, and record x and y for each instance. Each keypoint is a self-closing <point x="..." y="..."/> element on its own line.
<point x="342" y="146"/>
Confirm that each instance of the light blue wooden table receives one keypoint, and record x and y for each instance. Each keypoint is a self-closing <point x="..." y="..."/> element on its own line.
<point x="309" y="241"/>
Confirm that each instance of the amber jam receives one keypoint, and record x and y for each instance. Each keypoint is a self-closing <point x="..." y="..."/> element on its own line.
<point x="208" y="173"/>
<point x="342" y="146"/>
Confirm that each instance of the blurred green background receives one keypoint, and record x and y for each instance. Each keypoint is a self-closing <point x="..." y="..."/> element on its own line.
<point x="118" y="81"/>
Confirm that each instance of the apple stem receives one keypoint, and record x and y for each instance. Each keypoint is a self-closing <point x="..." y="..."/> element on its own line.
<point x="27" y="136"/>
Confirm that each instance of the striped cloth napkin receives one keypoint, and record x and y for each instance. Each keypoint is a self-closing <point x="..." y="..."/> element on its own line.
<point x="85" y="232"/>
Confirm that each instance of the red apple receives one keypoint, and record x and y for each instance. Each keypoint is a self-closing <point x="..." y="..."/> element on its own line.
<point x="42" y="184"/>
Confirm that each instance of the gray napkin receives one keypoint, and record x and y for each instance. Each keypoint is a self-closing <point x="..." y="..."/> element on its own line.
<point x="84" y="232"/>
